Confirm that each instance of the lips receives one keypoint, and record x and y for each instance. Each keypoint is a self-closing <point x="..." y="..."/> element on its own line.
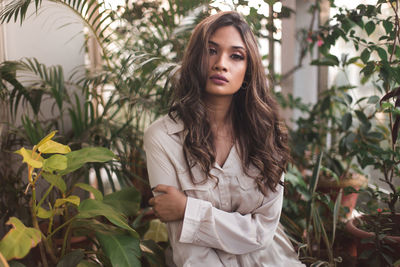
<point x="218" y="79"/>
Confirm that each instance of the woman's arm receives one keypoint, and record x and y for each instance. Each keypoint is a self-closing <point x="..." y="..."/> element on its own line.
<point x="232" y="232"/>
<point x="161" y="170"/>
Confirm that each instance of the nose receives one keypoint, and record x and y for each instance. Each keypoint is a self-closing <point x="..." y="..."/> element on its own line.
<point x="220" y="64"/>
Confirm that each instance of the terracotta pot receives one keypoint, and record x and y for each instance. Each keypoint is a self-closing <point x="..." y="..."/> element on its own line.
<point x="331" y="186"/>
<point x="356" y="247"/>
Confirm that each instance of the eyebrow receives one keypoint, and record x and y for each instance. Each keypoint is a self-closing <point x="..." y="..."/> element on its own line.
<point x="235" y="47"/>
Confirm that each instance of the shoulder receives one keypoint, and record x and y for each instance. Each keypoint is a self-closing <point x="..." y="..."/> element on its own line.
<point x="161" y="130"/>
<point x="155" y="131"/>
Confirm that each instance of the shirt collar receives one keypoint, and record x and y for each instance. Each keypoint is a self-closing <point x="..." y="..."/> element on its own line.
<point x="172" y="126"/>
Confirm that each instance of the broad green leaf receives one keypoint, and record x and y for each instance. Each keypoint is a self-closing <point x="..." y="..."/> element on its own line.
<point x="71" y="199"/>
<point x="55" y="163"/>
<point x="122" y="250"/>
<point x="365" y="55"/>
<point x="77" y="158"/>
<point x="346" y="121"/>
<point x="71" y="259"/>
<point x="19" y="240"/>
<point x="47" y="138"/>
<point x="56" y="180"/>
<point x="382" y="53"/>
<point x="3" y="261"/>
<point x="373" y="99"/>
<point x="370" y="27"/>
<point x="43" y="213"/>
<point x="96" y="193"/>
<point x="50" y="147"/>
<point x="28" y="158"/>
<point x="85" y="263"/>
<point x="126" y="200"/>
<point x="387" y="25"/>
<point x="90" y="208"/>
<point x="157" y="231"/>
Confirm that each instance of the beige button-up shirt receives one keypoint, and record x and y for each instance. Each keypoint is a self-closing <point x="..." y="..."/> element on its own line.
<point x="229" y="223"/>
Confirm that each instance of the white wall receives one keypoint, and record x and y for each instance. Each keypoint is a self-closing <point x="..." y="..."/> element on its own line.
<point x="40" y="37"/>
<point x="46" y="37"/>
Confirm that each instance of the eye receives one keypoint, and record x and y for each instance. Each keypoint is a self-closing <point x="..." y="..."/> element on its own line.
<point x="212" y="51"/>
<point x="237" y="57"/>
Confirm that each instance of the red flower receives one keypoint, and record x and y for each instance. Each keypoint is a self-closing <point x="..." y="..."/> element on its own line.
<point x="379" y="210"/>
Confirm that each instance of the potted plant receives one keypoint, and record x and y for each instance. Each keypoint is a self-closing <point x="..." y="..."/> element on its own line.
<point x="373" y="32"/>
<point x="324" y="127"/>
<point x="116" y="241"/>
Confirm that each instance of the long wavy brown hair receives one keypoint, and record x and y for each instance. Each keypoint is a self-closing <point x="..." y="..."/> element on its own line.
<point x="260" y="135"/>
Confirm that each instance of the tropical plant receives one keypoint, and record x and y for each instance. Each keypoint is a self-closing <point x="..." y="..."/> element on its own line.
<point x="117" y="242"/>
<point x="373" y="32"/>
<point x="306" y="220"/>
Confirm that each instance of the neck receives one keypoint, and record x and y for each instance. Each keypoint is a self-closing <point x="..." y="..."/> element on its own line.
<point x="218" y="111"/>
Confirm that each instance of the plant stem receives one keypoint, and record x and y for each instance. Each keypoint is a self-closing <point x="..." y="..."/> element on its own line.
<point x="36" y="225"/>
<point x="60" y="227"/>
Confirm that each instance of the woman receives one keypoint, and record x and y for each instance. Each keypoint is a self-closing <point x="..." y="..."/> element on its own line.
<point x="217" y="159"/>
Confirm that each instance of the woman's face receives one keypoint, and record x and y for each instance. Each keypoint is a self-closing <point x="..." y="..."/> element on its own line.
<point x="227" y="59"/>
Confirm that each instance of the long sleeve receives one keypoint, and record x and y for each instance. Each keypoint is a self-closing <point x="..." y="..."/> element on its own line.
<point x="232" y="232"/>
<point x="162" y="171"/>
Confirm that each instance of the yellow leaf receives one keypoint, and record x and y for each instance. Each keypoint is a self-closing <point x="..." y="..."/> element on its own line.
<point x="71" y="199"/>
<point x="27" y="157"/>
<point x="359" y="64"/>
<point x="157" y="231"/>
<point x="19" y="240"/>
<point x="47" y="138"/>
<point x="51" y="146"/>
<point x="43" y="213"/>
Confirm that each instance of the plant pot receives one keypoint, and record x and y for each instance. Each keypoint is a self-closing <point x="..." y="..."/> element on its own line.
<point x="332" y="187"/>
<point x="357" y="247"/>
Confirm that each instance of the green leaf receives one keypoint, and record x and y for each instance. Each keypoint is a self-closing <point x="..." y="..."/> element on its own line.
<point x="90" y="208"/>
<point x="336" y="211"/>
<point x="16" y="264"/>
<point x="122" y="250"/>
<point x="85" y="263"/>
<point x="315" y="175"/>
<point x="373" y="99"/>
<point x="29" y="159"/>
<point x="43" y="213"/>
<point x="157" y="231"/>
<point x="55" y="163"/>
<point x="329" y="60"/>
<point x="77" y="158"/>
<point x="365" y="55"/>
<point x="55" y="180"/>
<point x="19" y="240"/>
<point x="370" y="27"/>
<point x="96" y="193"/>
<point x="388" y="26"/>
<point x="71" y="199"/>
<point x="382" y="53"/>
<point x="361" y="116"/>
<point x="50" y="147"/>
<point x="126" y="201"/>
<point x="71" y="259"/>
<point x="346" y="121"/>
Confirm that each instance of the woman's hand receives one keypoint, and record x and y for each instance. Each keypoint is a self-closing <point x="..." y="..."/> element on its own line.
<point x="169" y="206"/>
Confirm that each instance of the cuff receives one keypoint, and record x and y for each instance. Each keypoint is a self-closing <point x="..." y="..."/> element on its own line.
<point x="191" y="219"/>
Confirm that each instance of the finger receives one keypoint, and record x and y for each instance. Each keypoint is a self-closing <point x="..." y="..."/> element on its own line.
<point x="161" y="188"/>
